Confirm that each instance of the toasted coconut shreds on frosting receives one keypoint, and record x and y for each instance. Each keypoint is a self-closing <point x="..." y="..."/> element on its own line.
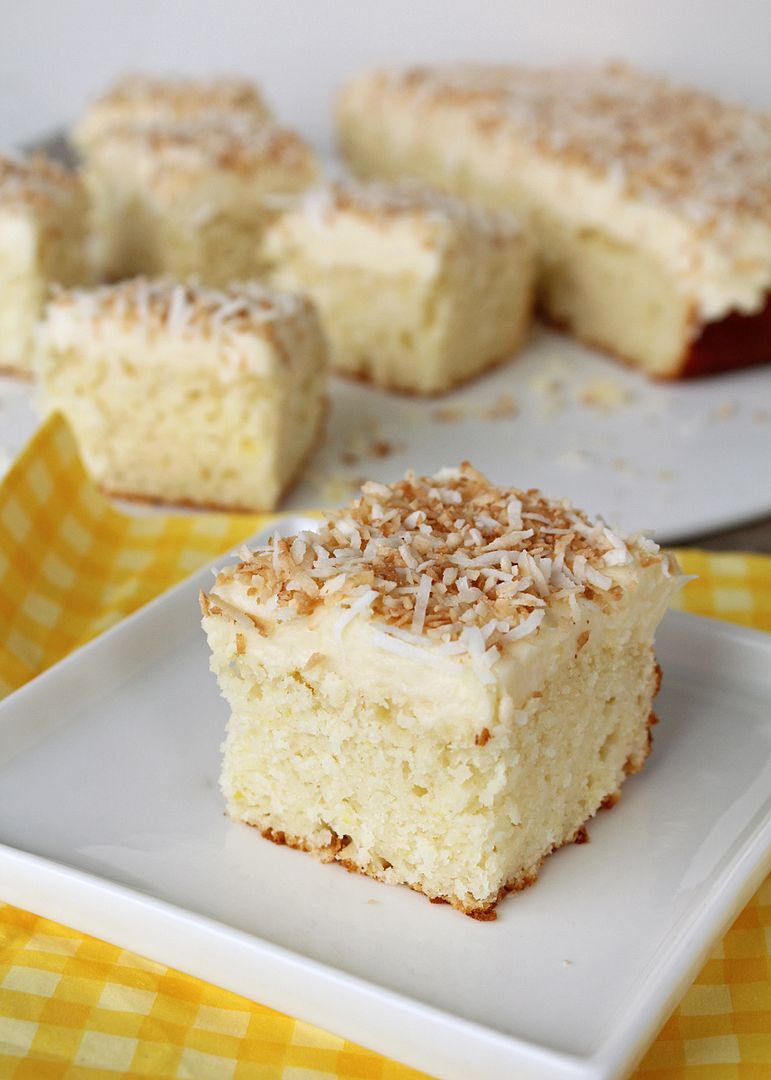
<point x="168" y="306"/>
<point x="451" y="557"/>
<point x="380" y="204"/>
<point x="185" y="95"/>
<point x="35" y="180"/>
<point x="708" y="159"/>
<point x="234" y="142"/>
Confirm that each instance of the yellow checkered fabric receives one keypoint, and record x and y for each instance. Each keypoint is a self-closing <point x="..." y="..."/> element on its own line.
<point x="71" y="564"/>
<point x="74" y="1008"/>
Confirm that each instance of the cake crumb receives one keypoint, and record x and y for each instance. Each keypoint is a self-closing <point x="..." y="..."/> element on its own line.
<point x="347" y="458"/>
<point x="724" y="411"/>
<point x="606" y="395"/>
<point x="448" y="414"/>
<point x="505" y="408"/>
<point x="551" y="390"/>
<point x="621" y="465"/>
<point x="761" y="416"/>
<point x="381" y="449"/>
<point x="567" y="963"/>
<point x="666" y="475"/>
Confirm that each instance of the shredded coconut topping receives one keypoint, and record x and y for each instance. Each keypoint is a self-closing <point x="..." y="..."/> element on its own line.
<point x="708" y="159"/>
<point x="232" y="141"/>
<point x="192" y="311"/>
<point x="437" y="558"/>
<point x="178" y="97"/>
<point x="35" y="181"/>
<point x="382" y="203"/>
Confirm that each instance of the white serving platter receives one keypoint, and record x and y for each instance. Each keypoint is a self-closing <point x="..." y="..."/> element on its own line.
<point x="677" y="459"/>
<point x="111" y="821"/>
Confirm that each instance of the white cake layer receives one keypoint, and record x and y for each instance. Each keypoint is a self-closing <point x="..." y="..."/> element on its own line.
<point x="187" y="394"/>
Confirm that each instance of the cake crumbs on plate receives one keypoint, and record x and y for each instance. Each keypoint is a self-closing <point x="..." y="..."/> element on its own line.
<point x="606" y="395"/>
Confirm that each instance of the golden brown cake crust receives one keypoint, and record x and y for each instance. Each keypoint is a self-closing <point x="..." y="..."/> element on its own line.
<point x="737" y="341"/>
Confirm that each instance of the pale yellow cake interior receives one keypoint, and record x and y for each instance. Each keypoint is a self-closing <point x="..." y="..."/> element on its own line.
<point x="42" y="241"/>
<point x="197" y="416"/>
<point x="191" y="200"/>
<point x="416" y="293"/>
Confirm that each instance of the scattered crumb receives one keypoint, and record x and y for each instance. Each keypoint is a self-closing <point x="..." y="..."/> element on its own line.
<point x="621" y="465"/>
<point x="373" y="903"/>
<point x="347" y="458"/>
<point x="448" y="414"/>
<point x="724" y="411"/>
<point x="381" y="449"/>
<point x="573" y="459"/>
<point x="761" y="416"/>
<point x="505" y="408"/>
<point x="666" y="475"/>
<point x="606" y="395"/>
<point x="567" y="963"/>
<point x="551" y="390"/>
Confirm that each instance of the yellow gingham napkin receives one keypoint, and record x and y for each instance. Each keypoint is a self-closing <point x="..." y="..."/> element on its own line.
<point x="75" y="1008"/>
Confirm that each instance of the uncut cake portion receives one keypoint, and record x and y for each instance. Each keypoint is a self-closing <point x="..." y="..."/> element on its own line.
<point x="187" y="394"/>
<point x="42" y="240"/>
<point x="191" y="199"/>
<point x="650" y="203"/>
<point x="441" y="685"/>
<point x="417" y="291"/>
<point x="141" y="98"/>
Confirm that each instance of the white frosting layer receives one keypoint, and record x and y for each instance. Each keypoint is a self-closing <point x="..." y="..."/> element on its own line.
<point x="453" y="687"/>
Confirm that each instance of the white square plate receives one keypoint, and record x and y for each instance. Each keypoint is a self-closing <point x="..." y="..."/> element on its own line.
<point x="111" y="821"/>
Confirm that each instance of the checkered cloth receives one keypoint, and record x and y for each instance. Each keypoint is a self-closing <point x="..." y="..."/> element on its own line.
<point x="72" y="1007"/>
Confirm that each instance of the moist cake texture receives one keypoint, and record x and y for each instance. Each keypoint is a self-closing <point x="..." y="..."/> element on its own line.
<point x="650" y="202"/>
<point x="193" y="198"/>
<point x="139" y="99"/>
<point x="42" y="240"/>
<point x="187" y="394"/>
<point x="441" y="685"/>
<point x="417" y="291"/>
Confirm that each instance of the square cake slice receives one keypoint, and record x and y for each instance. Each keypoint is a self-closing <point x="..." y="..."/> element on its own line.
<point x="650" y="203"/>
<point x="417" y="291"/>
<point x="441" y="685"/>
<point x="138" y="99"/>
<point x="43" y="224"/>
<point x="190" y="199"/>
<point x="186" y="394"/>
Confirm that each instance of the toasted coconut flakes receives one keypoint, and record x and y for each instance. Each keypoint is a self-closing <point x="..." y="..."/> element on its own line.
<point x="527" y="626"/>
<point x="441" y="557"/>
<point x="421" y="604"/>
<point x="594" y="577"/>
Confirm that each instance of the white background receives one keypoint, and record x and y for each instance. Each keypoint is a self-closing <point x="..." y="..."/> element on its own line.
<point x="55" y="53"/>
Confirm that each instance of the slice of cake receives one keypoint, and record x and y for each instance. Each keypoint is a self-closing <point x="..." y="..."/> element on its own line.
<point x="650" y="203"/>
<point x="417" y="291"/>
<point x="139" y="99"/>
<point x="42" y="240"/>
<point x="441" y="685"/>
<point x="187" y="394"/>
<point x="190" y="199"/>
